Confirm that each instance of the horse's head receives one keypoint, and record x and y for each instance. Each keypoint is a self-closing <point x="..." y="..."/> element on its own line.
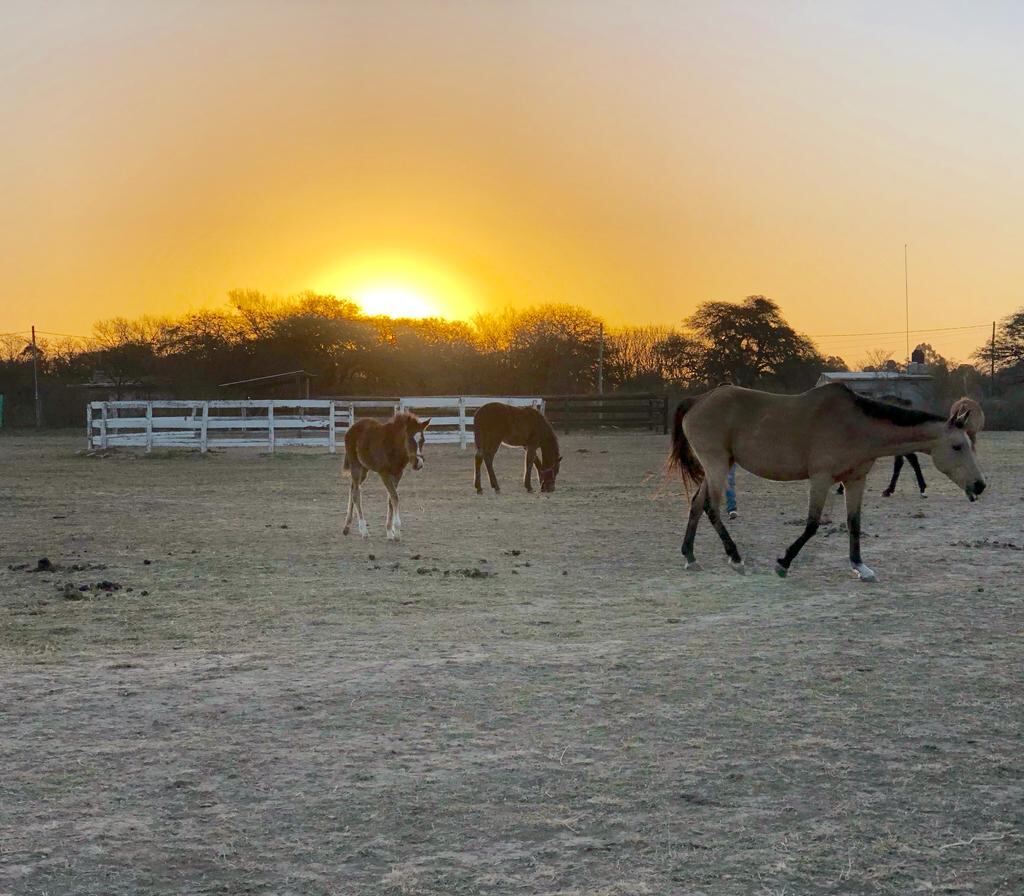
<point x="547" y="475"/>
<point x="954" y="453"/>
<point x="415" y="439"/>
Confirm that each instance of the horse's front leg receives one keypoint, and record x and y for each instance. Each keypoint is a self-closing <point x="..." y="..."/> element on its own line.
<point x="531" y="459"/>
<point x="394" y="519"/>
<point x="820" y="486"/>
<point x="854" y="497"/>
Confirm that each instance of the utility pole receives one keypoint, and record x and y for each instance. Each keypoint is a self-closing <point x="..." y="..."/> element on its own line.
<point x="600" y="359"/>
<point x="992" y="369"/>
<point x="35" y="379"/>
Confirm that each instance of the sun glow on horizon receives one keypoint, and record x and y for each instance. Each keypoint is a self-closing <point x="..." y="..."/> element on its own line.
<point x="399" y="285"/>
<point x="393" y="300"/>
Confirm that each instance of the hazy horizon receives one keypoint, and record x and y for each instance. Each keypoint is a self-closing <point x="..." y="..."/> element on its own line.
<point x="635" y="159"/>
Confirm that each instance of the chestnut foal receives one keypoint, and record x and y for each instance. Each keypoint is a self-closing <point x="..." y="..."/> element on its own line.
<point x="387" y="449"/>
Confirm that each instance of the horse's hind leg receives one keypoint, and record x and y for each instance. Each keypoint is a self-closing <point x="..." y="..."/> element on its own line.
<point x="715" y="482"/>
<point x="358" y="478"/>
<point x="352" y="489"/>
<point x="489" y="462"/>
<point x="915" y="464"/>
<point x="816" y="503"/>
<point x="854" y="496"/>
<point x="696" y="509"/>
<point x="478" y="462"/>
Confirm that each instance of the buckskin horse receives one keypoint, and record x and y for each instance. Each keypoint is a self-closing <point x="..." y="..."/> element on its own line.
<point x="826" y="435"/>
<point x="387" y="449"/>
<point x="496" y="423"/>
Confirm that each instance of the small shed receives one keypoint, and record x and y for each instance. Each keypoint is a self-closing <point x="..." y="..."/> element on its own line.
<point x="913" y="390"/>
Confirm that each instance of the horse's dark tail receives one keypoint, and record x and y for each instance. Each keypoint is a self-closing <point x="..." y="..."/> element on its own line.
<point x="681" y="456"/>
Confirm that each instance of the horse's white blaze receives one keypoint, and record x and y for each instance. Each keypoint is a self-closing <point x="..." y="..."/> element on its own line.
<point x="866" y="573"/>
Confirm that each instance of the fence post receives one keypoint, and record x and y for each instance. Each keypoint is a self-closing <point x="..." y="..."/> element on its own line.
<point x="331" y="433"/>
<point x="88" y="425"/>
<point x="149" y="427"/>
<point x="463" y="441"/>
<point x="204" y="429"/>
<point x="103" y="428"/>
<point x="270" y="426"/>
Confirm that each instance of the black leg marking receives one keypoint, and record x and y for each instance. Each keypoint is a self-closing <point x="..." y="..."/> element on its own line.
<point x="913" y="461"/>
<point x="809" y="529"/>
<point x="723" y="533"/>
<point x="896" y="467"/>
<point x="696" y="509"/>
<point x="815" y="504"/>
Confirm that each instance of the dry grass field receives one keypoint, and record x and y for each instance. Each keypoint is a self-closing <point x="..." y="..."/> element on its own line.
<point x="527" y="695"/>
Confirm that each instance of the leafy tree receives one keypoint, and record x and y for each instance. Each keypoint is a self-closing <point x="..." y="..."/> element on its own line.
<point x="751" y="344"/>
<point x="1009" y="345"/>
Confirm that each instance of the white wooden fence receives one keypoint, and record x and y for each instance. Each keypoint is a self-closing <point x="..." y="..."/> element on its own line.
<point x="306" y="422"/>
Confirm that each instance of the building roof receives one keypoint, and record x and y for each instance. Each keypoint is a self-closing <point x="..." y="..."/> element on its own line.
<point x="273" y="377"/>
<point x="841" y="376"/>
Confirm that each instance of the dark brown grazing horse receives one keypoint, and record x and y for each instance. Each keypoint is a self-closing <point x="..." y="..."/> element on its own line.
<point x="496" y="423"/>
<point x="387" y="449"/>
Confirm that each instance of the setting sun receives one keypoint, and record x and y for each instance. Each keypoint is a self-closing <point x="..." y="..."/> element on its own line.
<point x="395" y="301"/>
<point x="400" y="284"/>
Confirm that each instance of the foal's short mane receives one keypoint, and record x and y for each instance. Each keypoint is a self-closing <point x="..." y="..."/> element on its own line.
<point x="890" y="412"/>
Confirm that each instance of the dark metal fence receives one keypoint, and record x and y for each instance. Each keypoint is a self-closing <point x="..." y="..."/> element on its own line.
<point x="646" y="410"/>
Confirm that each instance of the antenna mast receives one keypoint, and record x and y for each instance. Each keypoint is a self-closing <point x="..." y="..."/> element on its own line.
<point x="906" y="298"/>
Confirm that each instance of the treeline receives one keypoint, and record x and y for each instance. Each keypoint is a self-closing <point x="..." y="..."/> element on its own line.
<point x="550" y="349"/>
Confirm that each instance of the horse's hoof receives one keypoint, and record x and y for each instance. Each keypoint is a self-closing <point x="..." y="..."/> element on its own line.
<point x="344" y="531"/>
<point x="394" y="536"/>
<point x="739" y="566"/>
<point x="364" y="530"/>
<point x="479" y="491"/>
<point x="865" y="573"/>
<point x="692" y="566"/>
<point x="781" y="571"/>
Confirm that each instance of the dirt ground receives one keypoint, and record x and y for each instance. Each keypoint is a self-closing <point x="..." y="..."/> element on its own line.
<point x="527" y="695"/>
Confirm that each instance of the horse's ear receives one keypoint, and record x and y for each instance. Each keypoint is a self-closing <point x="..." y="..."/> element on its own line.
<point x="425" y="423"/>
<point x="960" y="418"/>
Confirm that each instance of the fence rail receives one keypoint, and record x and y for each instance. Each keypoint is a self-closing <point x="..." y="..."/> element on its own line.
<point x="619" y="411"/>
<point x="273" y="423"/>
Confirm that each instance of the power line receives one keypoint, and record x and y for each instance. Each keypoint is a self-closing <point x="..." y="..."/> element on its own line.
<point x="65" y="335"/>
<point x="899" y="332"/>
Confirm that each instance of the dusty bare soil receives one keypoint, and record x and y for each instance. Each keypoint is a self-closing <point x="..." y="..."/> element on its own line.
<point x="527" y="695"/>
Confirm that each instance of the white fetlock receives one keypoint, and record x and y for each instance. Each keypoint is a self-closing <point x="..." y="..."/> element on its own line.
<point x="364" y="530"/>
<point x="739" y="566"/>
<point x="392" y="535"/>
<point x="865" y="573"/>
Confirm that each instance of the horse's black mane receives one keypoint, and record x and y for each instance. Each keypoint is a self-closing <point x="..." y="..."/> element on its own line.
<point x="891" y="412"/>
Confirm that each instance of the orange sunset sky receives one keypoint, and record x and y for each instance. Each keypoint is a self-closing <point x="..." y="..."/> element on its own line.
<point x="633" y="157"/>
